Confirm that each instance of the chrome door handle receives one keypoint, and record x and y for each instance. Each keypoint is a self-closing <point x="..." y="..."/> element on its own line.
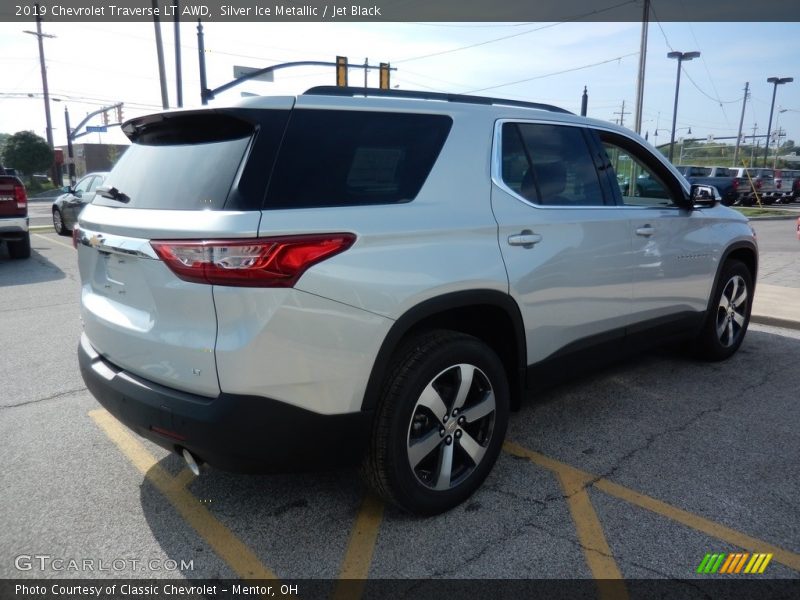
<point x="645" y="231"/>
<point x="526" y="239"/>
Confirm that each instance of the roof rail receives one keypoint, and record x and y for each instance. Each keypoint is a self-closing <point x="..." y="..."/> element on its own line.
<point x="330" y="90"/>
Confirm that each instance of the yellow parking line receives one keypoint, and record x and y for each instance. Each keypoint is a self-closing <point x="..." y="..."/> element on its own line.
<point x="222" y="540"/>
<point x="590" y="532"/>
<point x="183" y="478"/>
<point x="360" y="548"/>
<point x="49" y="239"/>
<point x="721" y="532"/>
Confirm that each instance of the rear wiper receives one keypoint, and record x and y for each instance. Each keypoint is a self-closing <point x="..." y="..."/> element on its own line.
<point x="113" y="193"/>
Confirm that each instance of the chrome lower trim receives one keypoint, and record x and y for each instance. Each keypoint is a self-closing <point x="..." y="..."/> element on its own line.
<point x="13" y="224"/>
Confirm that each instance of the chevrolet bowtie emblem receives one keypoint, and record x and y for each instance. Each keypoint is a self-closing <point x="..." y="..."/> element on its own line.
<point x="95" y="240"/>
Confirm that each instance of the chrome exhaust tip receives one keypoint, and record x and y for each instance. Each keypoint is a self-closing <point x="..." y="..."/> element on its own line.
<point x="191" y="462"/>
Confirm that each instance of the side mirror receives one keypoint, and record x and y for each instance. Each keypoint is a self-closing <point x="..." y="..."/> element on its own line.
<point x="704" y="196"/>
<point x="66" y="189"/>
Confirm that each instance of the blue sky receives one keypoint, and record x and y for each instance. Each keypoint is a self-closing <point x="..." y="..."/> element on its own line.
<point x="94" y="63"/>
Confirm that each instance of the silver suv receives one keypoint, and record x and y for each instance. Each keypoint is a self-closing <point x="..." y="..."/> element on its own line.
<point x="292" y="282"/>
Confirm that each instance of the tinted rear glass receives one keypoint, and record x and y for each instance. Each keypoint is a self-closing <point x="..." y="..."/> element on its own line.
<point x="190" y="161"/>
<point x="347" y="158"/>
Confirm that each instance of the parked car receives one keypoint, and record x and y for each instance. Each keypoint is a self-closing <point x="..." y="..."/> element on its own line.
<point x="755" y="184"/>
<point x="785" y="180"/>
<point x="380" y="275"/>
<point x="68" y="205"/>
<point x="693" y="171"/>
<point x="722" y="178"/>
<point x="14" y="217"/>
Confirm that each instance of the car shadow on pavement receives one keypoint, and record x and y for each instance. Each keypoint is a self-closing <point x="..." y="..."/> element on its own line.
<point x="300" y="524"/>
<point x="36" y="269"/>
<point x="283" y="523"/>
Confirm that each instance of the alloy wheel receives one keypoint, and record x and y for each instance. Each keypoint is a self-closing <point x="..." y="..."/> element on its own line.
<point x="732" y="311"/>
<point x="451" y="427"/>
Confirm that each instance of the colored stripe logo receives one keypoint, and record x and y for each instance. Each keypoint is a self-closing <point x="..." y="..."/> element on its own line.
<point x="735" y="563"/>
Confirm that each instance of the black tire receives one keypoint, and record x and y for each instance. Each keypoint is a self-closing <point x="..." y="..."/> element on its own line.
<point x="58" y="223"/>
<point x="728" y="318"/>
<point x="20" y="248"/>
<point x="442" y="361"/>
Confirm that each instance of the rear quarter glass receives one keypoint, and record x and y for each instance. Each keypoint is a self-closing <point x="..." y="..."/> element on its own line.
<point x="198" y="160"/>
<point x="349" y="158"/>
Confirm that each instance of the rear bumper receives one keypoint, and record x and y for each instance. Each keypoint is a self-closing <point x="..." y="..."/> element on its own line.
<point x="13" y="228"/>
<point x="230" y="432"/>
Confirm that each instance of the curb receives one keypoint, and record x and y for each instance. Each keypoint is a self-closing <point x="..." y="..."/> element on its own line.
<point x="41" y="228"/>
<point x="785" y="218"/>
<point x="775" y="322"/>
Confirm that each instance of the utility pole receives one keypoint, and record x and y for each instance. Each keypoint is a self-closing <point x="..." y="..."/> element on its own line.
<point x="55" y="172"/>
<point x="201" y="60"/>
<point x="178" y="74"/>
<point x="637" y="117"/>
<point x="162" y="75"/>
<point x="584" y="102"/>
<point x="741" y="122"/>
<point x="753" y="146"/>
<point x="70" y="152"/>
<point x="366" y="64"/>
<point x="622" y="112"/>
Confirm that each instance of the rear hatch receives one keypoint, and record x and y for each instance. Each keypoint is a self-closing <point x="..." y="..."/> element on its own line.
<point x="188" y="177"/>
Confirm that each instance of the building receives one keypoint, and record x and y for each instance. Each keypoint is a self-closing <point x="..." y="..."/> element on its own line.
<point x="91" y="157"/>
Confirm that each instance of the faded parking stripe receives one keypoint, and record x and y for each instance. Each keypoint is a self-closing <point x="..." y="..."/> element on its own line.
<point x="240" y="558"/>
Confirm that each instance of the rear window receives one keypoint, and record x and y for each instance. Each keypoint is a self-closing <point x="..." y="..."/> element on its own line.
<point x="723" y="172"/>
<point x="350" y="158"/>
<point x="190" y="161"/>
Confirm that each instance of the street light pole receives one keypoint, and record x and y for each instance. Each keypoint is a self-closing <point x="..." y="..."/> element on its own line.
<point x="681" y="56"/>
<point x="777" y="136"/>
<point x="775" y="81"/>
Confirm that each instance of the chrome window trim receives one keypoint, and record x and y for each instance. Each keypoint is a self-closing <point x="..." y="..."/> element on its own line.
<point x="497" y="165"/>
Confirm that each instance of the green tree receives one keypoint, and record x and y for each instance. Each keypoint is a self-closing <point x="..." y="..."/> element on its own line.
<point x="27" y="152"/>
<point x="3" y="139"/>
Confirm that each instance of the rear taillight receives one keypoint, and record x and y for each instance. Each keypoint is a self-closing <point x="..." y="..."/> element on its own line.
<point x="20" y="196"/>
<point x="735" y="185"/>
<point x="758" y="184"/>
<point x="259" y="262"/>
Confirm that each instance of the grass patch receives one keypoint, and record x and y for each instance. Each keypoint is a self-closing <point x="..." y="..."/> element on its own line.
<point x="764" y="212"/>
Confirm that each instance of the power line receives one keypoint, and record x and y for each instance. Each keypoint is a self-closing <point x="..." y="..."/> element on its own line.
<point x="602" y="62"/>
<point x="468" y="25"/>
<point x="697" y="87"/>
<point x="513" y="35"/>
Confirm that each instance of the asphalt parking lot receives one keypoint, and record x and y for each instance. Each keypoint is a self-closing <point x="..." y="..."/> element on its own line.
<point x="636" y="472"/>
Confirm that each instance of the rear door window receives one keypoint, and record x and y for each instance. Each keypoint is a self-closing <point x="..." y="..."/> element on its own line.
<point x="550" y="165"/>
<point x="350" y="158"/>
